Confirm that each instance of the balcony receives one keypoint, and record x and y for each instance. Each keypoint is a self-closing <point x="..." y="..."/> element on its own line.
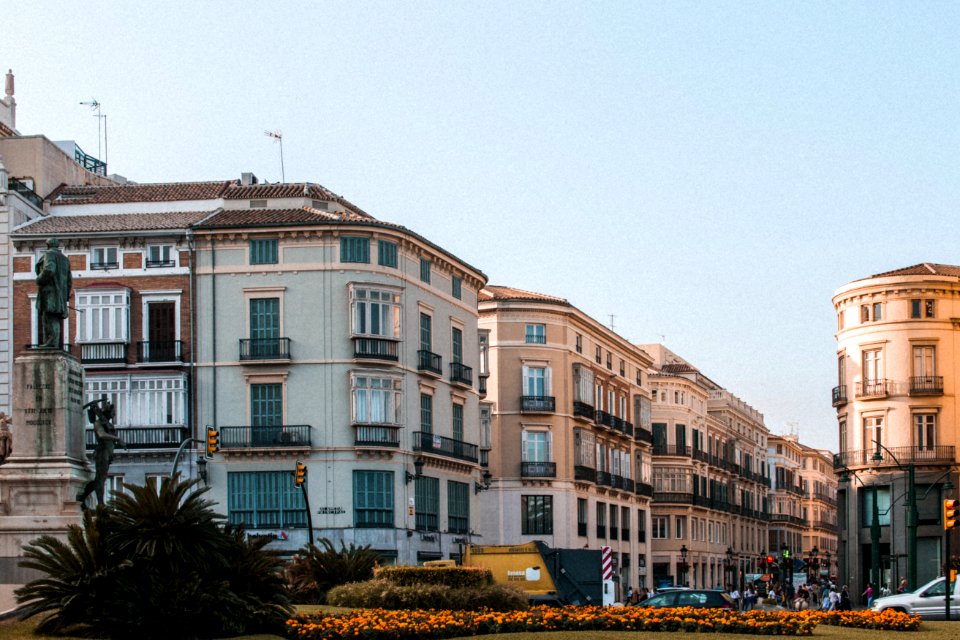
<point x="871" y="389"/>
<point x="160" y="351"/>
<point x="149" y="437"/>
<point x="537" y="404"/>
<point x="429" y="362"/>
<point x="156" y="264"/>
<point x="644" y="489"/>
<point x="583" y="410"/>
<point x="643" y="435"/>
<point x="376" y="435"/>
<point x="627" y="484"/>
<point x="672" y="497"/>
<point x="581" y="472"/>
<point x="103" y="353"/>
<point x="538" y="469"/>
<point x="783" y="518"/>
<point x="926" y="386"/>
<point x="938" y="455"/>
<point x="267" y="437"/>
<point x="264" y="349"/>
<point x="25" y="192"/>
<point x="461" y="374"/>
<point x="482" y="385"/>
<point x="671" y="450"/>
<point x="375" y="349"/>
<point x="604" y="479"/>
<point x="840" y="395"/>
<point x="104" y="266"/>
<point x="701" y="455"/>
<point x="823" y="524"/>
<point x="448" y="447"/>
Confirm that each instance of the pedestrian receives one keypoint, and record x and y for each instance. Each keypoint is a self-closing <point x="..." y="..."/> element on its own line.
<point x="833" y="598"/>
<point x="629" y="596"/>
<point x="845" y="604"/>
<point x="903" y="586"/>
<point x="868" y="594"/>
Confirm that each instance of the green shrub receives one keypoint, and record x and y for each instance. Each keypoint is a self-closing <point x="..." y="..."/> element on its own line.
<point x="383" y="594"/>
<point x="448" y="576"/>
<point x="315" y="570"/>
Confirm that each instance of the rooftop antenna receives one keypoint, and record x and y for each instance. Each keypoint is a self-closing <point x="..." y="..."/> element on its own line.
<point x="611" y="321"/>
<point x="94" y="104"/>
<point x="278" y="136"/>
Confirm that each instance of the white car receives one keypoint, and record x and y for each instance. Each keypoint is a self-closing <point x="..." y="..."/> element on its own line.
<point x="928" y="601"/>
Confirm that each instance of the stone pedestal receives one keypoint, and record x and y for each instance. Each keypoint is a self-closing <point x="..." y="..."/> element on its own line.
<point x="40" y="480"/>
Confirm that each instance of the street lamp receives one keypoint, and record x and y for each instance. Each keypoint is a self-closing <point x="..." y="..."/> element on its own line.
<point x="913" y="515"/>
<point x="683" y="564"/>
<point x="729" y="564"/>
<point x="874" y="528"/>
<point x="813" y="562"/>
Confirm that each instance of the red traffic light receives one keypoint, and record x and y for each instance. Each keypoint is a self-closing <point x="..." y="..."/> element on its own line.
<point x="771" y="560"/>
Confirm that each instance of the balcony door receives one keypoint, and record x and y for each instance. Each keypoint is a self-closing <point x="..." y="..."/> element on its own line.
<point x="264" y="327"/>
<point x="161" y="332"/>
<point x="266" y="413"/>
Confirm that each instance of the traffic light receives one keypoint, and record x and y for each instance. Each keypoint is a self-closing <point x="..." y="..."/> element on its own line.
<point x="301" y="474"/>
<point x="213" y="441"/>
<point x="771" y="560"/>
<point x="786" y="553"/>
<point x="951" y="514"/>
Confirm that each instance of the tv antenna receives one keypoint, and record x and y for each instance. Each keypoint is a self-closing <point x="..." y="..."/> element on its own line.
<point x="611" y="322"/>
<point x="278" y="136"/>
<point x="94" y="104"/>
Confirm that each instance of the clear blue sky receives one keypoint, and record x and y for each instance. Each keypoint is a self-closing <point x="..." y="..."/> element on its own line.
<point x="710" y="172"/>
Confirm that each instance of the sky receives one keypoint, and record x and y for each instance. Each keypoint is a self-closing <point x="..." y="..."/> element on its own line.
<point x="708" y="173"/>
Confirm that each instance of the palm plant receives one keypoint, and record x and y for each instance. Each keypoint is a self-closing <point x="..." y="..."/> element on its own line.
<point x="314" y="571"/>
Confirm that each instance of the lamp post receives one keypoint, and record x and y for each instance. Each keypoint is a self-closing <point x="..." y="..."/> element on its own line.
<point x="813" y="561"/>
<point x="728" y="564"/>
<point x="913" y="515"/>
<point x="683" y="565"/>
<point x="829" y="567"/>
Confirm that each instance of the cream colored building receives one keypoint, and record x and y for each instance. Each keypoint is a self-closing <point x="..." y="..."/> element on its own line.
<point x="895" y="397"/>
<point x="819" y="484"/>
<point x="570" y="443"/>
<point x="787" y="524"/>
<point x="709" y="523"/>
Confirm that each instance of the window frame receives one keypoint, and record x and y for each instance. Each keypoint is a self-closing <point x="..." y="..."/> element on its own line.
<point x="377" y="504"/>
<point x="387" y="254"/>
<point x="536" y="514"/>
<point x="355" y="249"/>
<point x="262" y="251"/>
<point x="426" y="265"/>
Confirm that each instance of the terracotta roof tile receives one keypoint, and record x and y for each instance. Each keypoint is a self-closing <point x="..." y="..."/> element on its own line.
<point x="494" y="292"/>
<point x="156" y="192"/>
<point x="678" y="367"/>
<point x="120" y="222"/>
<point x="268" y="217"/>
<point x="923" y="269"/>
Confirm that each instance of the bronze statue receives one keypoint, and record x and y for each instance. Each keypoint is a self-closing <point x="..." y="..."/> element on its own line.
<point x="101" y="414"/>
<point x="6" y="437"/>
<point x="54" y="281"/>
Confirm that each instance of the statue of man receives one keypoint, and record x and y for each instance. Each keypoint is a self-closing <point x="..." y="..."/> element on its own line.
<point x="6" y="437"/>
<point x="54" y="281"/>
<point x="101" y="414"/>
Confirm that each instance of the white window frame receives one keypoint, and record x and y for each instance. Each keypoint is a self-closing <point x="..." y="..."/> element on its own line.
<point x="369" y="387"/>
<point x="389" y="318"/>
<point x="148" y="297"/>
<point x="536" y="445"/>
<point x="104" y="251"/>
<point x="530" y="378"/>
<point x="35" y="322"/>
<point x="86" y="317"/>
<point x="173" y="255"/>
<point x="142" y="401"/>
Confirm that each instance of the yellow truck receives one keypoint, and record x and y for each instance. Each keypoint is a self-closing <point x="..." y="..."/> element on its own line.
<point x="548" y="576"/>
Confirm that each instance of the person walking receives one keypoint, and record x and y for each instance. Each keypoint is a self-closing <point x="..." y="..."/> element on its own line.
<point x="868" y="594"/>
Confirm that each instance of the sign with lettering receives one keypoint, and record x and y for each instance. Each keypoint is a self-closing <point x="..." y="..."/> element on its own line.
<point x="331" y="511"/>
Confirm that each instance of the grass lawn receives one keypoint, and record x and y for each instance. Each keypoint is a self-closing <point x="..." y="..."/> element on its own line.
<point x="16" y="630"/>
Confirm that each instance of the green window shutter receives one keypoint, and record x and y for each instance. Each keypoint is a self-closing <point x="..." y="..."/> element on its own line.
<point x="264" y="251"/>
<point x="354" y="249"/>
<point x="387" y="254"/>
<point x="458" y="507"/>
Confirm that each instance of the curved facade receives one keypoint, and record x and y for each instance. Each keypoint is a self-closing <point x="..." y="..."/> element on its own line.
<point x="895" y="397"/>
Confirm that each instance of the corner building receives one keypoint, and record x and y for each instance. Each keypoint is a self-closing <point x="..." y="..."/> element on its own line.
<point x="570" y="437"/>
<point x="896" y="394"/>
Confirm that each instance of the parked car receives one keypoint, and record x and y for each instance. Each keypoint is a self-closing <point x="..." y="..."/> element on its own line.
<point x="701" y="598"/>
<point x="928" y="601"/>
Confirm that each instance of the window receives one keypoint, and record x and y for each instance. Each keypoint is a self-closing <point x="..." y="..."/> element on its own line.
<point x="354" y="249"/>
<point x="609" y="360"/>
<point x="376" y="312"/>
<point x="581" y="517"/>
<point x="537" y="514"/>
<point x="681" y="529"/>
<point x="625" y="523"/>
<point x="264" y="251"/>
<point x="599" y="355"/>
<point x="877" y="311"/>
<point x="424" y="270"/>
<point x="458" y="422"/>
<point x="535" y="446"/>
<point x="456" y="287"/>
<point x="601" y="520"/>
<point x="925" y="429"/>
<point x="103" y="316"/>
<point x="641" y="525"/>
<point x="536" y="334"/>
<point x="372" y="499"/>
<point x="160" y="255"/>
<point x="266" y="412"/>
<point x="883" y="506"/>
<point x="456" y="336"/>
<point x="427" y="501"/>
<point x="458" y="507"/>
<point x="386" y="254"/>
<point x="915" y="306"/>
<point x="924" y="361"/>
<point x="376" y="400"/>
<point x="426" y="332"/>
<point x="872" y="366"/>
<point x="264" y="318"/>
<point x="536" y="381"/>
<point x="872" y="431"/>
<point x="154" y="401"/>
<point x="623" y="369"/>
<point x="928" y="308"/>
<point x="661" y="527"/>
<point x="579" y="343"/>
<point x="639" y="378"/>
<point x="614" y="528"/>
<point x="864" y="313"/>
<point x="265" y="500"/>
<point x="426" y="413"/>
<point x="103" y="258"/>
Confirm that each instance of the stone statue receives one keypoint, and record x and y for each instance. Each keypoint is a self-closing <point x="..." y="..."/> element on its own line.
<point x="54" y="281"/>
<point x="101" y="414"/>
<point x="6" y="437"/>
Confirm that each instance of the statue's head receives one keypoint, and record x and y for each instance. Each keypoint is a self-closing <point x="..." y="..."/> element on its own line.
<point x="52" y="243"/>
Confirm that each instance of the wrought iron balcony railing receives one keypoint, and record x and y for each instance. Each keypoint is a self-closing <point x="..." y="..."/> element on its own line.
<point x="644" y="489"/>
<point x="461" y="374"/>
<point x="103" y="353"/>
<point x="375" y="349"/>
<point x="160" y="351"/>
<point x="538" y="469"/>
<point x="253" y="437"/>
<point x="443" y="446"/>
<point x="926" y="386"/>
<point x="839" y="395"/>
<point x="376" y="435"/>
<point x="25" y="192"/>
<point x="643" y="435"/>
<point x="581" y="472"/>
<point x="146" y="437"/>
<point x="936" y="455"/>
<point x="537" y="404"/>
<point x="429" y="361"/>
<point x="583" y="410"/>
<point x="672" y="497"/>
<point x="671" y="450"/>
<point x="265" y="348"/>
<point x="872" y="389"/>
<point x="104" y="265"/>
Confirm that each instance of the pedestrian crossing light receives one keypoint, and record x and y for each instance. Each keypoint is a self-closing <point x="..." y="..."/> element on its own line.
<point x="951" y="514"/>
<point x="771" y="560"/>
<point x="300" y="475"/>
<point x="213" y="441"/>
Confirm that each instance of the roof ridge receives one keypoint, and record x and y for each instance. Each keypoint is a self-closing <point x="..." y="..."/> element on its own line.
<point x="929" y="268"/>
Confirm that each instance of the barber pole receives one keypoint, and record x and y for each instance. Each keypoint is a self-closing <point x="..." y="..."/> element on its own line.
<point x="606" y="574"/>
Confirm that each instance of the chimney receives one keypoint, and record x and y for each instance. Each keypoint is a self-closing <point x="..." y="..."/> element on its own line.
<point x="248" y="179"/>
<point x="10" y="117"/>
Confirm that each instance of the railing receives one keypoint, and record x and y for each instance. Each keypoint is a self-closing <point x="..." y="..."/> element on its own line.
<point x="672" y="497"/>
<point x="823" y="524"/>
<point x="484" y="457"/>
<point x="160" y="351"/>
<point x="25" y="192"/>
<point x="643" y="435"/>
<point x="375" y="349"/>
<point x="642" y="537"/>
<point x="65" y="348"/>
<point x="581" y="528"/>
<point x="671" y="450"/>
<point x="583" y="410"/>
<point x="537" y="404"/>
<point x="601" y="531"/>
<point x="265" y="348"/>
<point x="603" y="478"/>
<point x="153" y="264"/>
<point x="783" y="517"/>
<point x="538" y="469"/>
<point x="701" y="455"/>
<point x="482" y="385"/>
<point x="840" y="395"/>
<point x="440" y="445"/>
<point x="938" y="455"/>
<point x="616" y="481"/>
<point x="103" y="352"/>
<point x="376" y="435"/>
<point x="644" y="489"/>
<point x="628" y="484"/>
<point x="926" y="386"/>
<point x="872" y="389"/>
<point x="104" y="266"/>
<point x="461" y="374"/>
<point x="252" y="437"/>
<point x="429" y="361"/>
<point x="88" y="162"/>
<point x="581" y="472"/>
<point x="150" y="437"/>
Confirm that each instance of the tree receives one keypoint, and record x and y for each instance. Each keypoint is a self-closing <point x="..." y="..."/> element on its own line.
<point x="314" y="571"/>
